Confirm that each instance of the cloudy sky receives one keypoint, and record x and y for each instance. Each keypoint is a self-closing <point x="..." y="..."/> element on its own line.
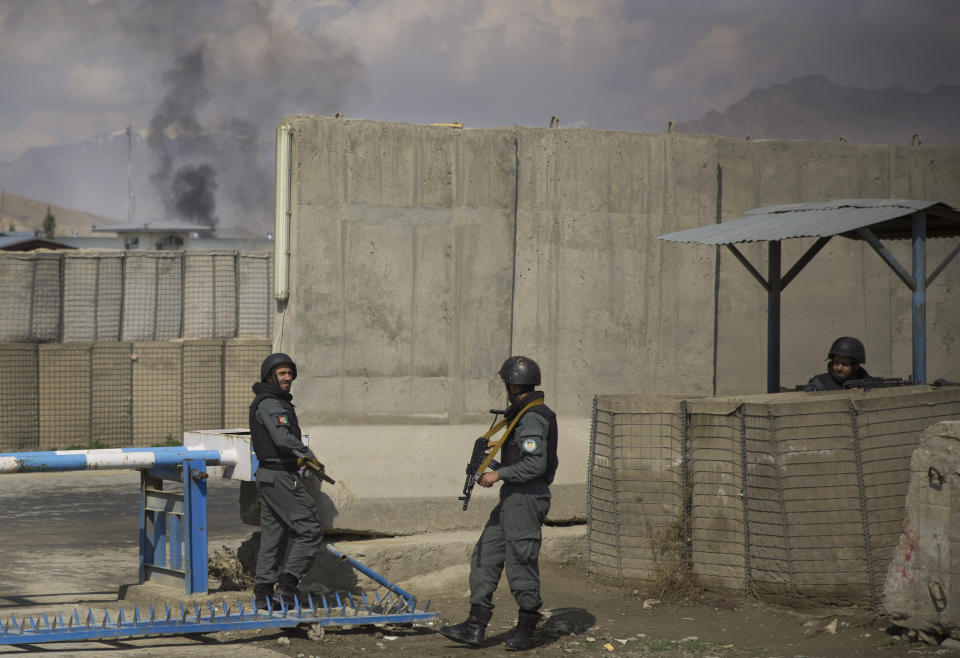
<point x="74" y="69"/>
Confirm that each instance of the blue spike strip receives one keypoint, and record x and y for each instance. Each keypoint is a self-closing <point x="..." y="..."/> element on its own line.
<point x="225" y="617"/>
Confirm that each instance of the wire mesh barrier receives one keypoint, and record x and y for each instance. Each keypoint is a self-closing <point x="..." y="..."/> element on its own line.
<point x="124" y="393"/>
<point x="134" y="296"/>
<point x="793" y="496"/>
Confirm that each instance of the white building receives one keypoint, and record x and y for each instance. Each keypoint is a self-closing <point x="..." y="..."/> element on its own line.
<point x="155" y="235"/>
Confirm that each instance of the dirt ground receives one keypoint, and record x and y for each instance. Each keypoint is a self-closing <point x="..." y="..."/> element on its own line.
<point x="588" y="618"/>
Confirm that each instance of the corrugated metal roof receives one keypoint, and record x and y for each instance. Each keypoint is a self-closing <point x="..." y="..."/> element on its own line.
<point x="887" y="218"/>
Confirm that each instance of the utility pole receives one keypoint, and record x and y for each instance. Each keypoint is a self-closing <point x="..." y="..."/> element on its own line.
<point x="131" y="199"/>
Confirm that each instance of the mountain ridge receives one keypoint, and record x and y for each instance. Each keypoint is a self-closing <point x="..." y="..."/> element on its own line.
<point x="814" y="108"/>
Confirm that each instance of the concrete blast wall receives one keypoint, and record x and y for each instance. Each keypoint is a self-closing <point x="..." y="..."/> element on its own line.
<point x="422" y="256"/>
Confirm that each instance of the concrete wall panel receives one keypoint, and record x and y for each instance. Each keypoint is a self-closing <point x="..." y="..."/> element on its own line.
<point x="401" y="265"/>
<point x="424" y="253"/>
<point x="600" y="302"/>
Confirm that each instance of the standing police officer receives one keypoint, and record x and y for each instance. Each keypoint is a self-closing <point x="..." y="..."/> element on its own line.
<point x="285" y="505"/>
<point x="844" y="361"/>
<point x="512" y="534"/>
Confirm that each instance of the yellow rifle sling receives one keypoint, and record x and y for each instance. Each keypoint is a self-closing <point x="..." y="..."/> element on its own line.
<point x="493" y="430"/>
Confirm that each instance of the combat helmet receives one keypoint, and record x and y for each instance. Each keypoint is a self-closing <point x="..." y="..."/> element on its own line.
<point x="274" y="360"/>
<point x="520" y="370"/>
<point x="848" y="347"/>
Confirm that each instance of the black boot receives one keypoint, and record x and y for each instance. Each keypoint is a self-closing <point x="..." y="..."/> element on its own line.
<point x="522" y="638"/>
<point x="262" y="594"/>
<point x="286" y="590"/>
<point x="470" y="631"/>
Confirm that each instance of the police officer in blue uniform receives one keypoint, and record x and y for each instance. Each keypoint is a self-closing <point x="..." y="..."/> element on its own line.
<point x="512" y="535"/>
<point x="286" y="508"/>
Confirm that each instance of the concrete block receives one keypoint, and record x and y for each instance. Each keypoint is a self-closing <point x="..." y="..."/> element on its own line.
<point x="919" y="588"/>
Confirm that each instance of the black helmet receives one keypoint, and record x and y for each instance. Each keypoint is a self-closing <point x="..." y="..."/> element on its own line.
<point x="520" y="370"/>
<point x="849" y="347"/>
<point x="274" y="360"/>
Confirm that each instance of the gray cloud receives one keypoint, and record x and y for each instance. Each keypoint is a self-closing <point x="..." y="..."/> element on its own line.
<point x="72" y="69"/>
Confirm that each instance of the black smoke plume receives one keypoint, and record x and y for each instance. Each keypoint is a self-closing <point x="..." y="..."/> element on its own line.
<point x="185" y="183"/>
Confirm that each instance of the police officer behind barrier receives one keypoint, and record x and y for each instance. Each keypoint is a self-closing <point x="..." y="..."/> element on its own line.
<point x="511" y="536"/>
<point x="285" y="505"/>
<point x="844" y="361"/>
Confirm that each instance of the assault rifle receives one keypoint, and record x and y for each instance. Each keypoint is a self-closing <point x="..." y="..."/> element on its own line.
<point x="484" y="451"/>
<point x="315" y="466"/>
<point x="877" y="382"/>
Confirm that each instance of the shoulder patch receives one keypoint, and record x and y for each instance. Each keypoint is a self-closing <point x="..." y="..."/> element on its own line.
<point x="530" y="445"/>
<point x="282" y="419"/>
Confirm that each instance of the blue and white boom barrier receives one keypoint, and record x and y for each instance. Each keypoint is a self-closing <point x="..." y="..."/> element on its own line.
<point x="111" y="458"/>
<point x="173" y="548"/>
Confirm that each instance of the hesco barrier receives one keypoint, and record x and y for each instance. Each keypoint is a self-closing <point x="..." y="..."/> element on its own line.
<point x="124" y="394"/>
<point x="795" y="496"/>
<point x="132" y="296"/>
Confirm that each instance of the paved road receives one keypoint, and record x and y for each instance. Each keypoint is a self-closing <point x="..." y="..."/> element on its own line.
<point x="74" y="535"/>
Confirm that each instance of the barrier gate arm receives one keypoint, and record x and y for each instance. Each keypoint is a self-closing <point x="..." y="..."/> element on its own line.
<point x="188" y="464"/>
<point x="173" y="524"/>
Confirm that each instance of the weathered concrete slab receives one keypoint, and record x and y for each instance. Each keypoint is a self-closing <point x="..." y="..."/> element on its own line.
<point x="405" y="479"/>
<point x="921" y="586"/>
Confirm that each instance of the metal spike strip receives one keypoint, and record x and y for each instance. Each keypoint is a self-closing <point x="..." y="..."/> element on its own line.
<point x="224" y="617"/>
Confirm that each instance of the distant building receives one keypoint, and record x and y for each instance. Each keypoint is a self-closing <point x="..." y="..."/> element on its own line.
<point x="28" y="241"/>
<point x="154" y="236"/>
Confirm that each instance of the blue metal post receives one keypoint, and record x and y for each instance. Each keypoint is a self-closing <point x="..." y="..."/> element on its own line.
<point x="919" y="230"/>
<point x="773" y="318"/>
<point x="195" y="525"/>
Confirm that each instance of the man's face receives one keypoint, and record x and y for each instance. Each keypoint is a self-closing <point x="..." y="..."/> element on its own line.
<point x="842" y="367"/>
<point x="284" y="375"/>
